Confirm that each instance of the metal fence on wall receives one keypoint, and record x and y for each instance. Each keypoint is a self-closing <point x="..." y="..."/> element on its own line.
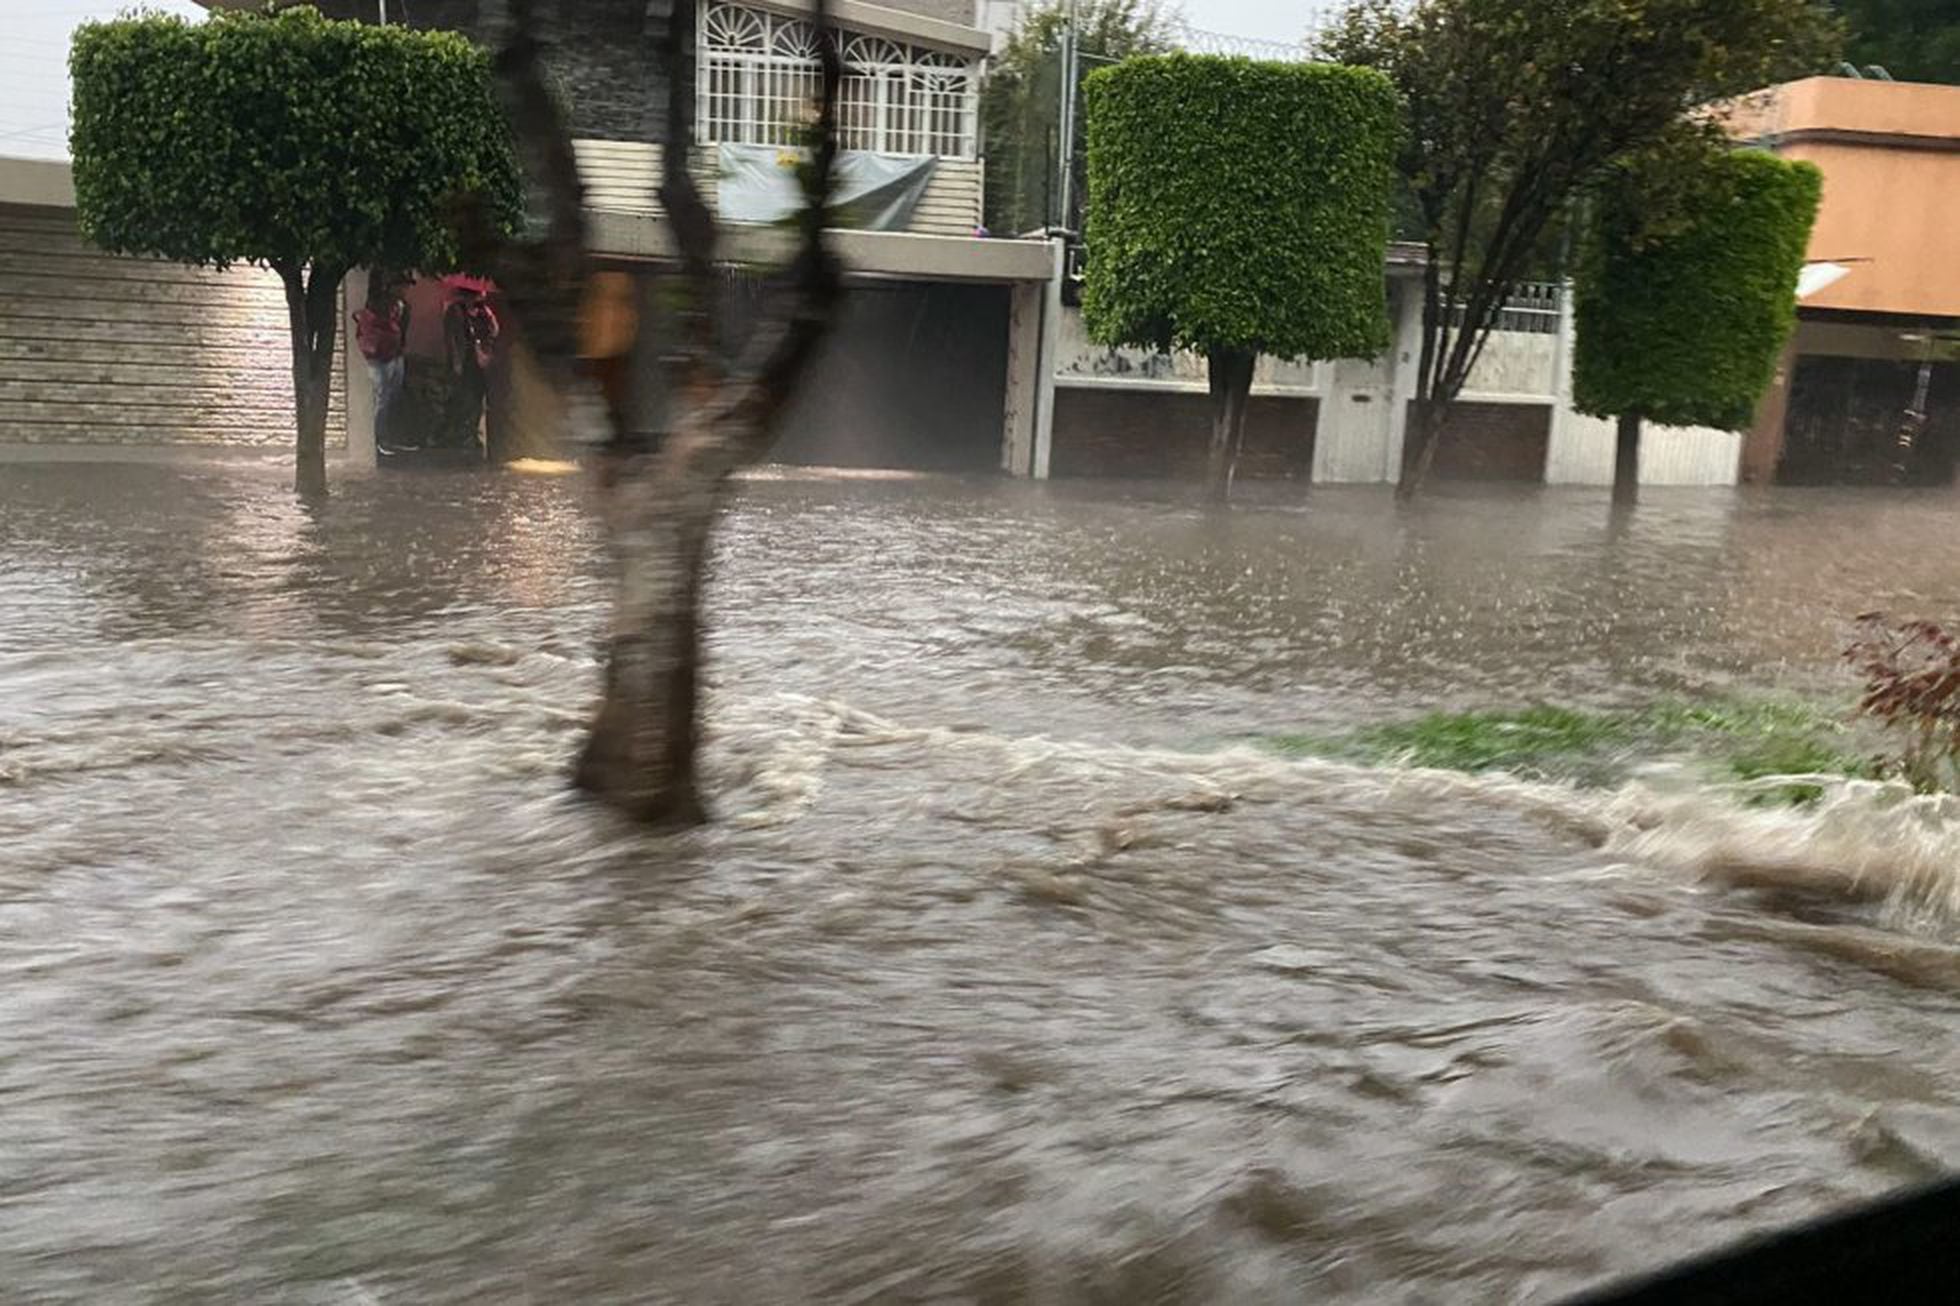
<point x="1024" y="187"/>
<point x="1533" y="308"/>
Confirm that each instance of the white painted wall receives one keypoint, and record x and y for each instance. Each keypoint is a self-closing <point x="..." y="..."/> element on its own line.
<point x="1581" y="453"/>
<point x="1351" y="440"/>
<point x="1513" y="363"/>
<point x="1051" y="333"/>
<point x="1364" y="402"/>
<point x="1079" y="361"/>
<point x="1405" y="348"/>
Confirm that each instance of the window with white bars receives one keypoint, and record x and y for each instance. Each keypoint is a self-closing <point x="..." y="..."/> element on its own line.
<point x="759" y="81"/>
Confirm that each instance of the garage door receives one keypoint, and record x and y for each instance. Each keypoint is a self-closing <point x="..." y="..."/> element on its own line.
<point x="98" y="349"/>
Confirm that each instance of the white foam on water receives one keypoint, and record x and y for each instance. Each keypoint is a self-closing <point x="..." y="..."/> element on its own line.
<point x="1860" y="841"/>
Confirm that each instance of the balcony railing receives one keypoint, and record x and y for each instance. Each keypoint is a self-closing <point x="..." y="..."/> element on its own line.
<point x="760" y="79"/>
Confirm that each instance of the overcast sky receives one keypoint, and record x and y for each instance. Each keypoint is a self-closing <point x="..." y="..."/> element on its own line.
<point x="1271" y="20"/>
<point x="34" y="69"/>
<point x="34" y="54"/>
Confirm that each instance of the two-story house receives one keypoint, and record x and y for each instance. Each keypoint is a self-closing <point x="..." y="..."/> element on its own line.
<point x="911" y="91"/>
<point x="935" y="364"/>
<point x="1869" y="388"/>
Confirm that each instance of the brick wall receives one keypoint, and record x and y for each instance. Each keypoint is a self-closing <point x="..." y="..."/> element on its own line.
<point x="1154" y="433"/>
<point x="1494" y="442"/>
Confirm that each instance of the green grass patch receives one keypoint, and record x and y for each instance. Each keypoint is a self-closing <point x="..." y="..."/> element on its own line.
<point x="1730" y="741"/>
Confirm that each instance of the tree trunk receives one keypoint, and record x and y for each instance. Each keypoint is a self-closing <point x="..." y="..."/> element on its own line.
<point x="1229" y="372"/>
<point x="1421" y="435"/>
<point x="640" y="754"/>
<point x="1422" y="428"/>
<point x="695" y="409"/>
<point x="313" y="320"/>
<point x="1456" y="326"/>
<point x="1626" y="460"/>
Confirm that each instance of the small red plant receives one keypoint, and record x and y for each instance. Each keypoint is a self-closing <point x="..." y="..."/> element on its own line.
<point x="1912" y="687"/>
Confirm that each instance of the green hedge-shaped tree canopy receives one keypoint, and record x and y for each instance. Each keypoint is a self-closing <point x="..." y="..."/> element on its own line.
<point x="256" y="138"/>
<point x="309" y="146"/>
<point x="1683" y="324"/>
<point x="1239" y="205"/>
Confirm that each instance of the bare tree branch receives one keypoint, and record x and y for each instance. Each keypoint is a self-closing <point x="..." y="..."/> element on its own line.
<point x="544" y="139"/>
<point x="543" y="280"/>
<point x="688" y="216"/>
<point x="775" y="359"/>
<point x="739" y="427"/>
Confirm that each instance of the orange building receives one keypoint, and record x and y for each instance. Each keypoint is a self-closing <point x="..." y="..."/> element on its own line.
<point x="1869" y="389"/>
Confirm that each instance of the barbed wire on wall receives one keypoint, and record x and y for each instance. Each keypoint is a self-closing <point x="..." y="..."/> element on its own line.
<point x="1196" y="40"/>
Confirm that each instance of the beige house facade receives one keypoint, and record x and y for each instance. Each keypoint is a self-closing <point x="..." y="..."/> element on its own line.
<point x="1869" y="388"/>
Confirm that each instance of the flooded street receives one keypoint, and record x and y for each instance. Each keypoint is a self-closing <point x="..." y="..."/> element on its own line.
<point x="1014" y="971"/>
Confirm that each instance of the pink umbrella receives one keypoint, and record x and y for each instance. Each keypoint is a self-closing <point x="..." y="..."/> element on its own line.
<point x="461" y="283"/>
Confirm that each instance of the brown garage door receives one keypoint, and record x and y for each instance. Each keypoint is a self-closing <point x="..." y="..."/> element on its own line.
<point x="1493" y="442"/>
<point x="99" y="349"/>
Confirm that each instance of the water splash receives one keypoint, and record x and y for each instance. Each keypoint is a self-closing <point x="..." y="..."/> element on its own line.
<point x="1860" y="842"/>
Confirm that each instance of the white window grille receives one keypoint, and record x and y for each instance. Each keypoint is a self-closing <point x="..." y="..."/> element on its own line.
<point x="759" y="80"/>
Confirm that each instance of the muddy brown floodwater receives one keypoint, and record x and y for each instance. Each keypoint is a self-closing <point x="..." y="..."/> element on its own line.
<point x="1011" y="973"/>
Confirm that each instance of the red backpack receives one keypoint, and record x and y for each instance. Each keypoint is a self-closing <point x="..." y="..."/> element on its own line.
<point x="378" y="335"/>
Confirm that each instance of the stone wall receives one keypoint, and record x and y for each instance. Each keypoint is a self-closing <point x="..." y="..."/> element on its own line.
<point x="598" y="53"/>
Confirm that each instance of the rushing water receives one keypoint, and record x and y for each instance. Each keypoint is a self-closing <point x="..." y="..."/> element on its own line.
<point x="1008" y="974"/>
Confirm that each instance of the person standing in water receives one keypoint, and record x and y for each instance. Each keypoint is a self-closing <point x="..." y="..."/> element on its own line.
<point x="381" y="334"/>
<point x="470" y="331"/>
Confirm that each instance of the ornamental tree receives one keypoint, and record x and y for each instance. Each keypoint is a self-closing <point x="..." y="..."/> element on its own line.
<point x="1238" y="208"/>
<point x="1686" y="290"/>
<point x="292" y="142"/>
<point x="1516" y="108"/>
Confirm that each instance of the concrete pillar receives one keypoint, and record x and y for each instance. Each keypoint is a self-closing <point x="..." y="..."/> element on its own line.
<point x="359" y="386"/>
<point x="1051" y="330"/>
<point x="1762" y="446"/>
<point x="1562" y="343"/>
<point x="1405" y="362"/>
<point x="1026" y="302"/>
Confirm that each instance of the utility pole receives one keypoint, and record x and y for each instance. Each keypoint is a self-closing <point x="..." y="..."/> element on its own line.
<point x="1067" y="150"/>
